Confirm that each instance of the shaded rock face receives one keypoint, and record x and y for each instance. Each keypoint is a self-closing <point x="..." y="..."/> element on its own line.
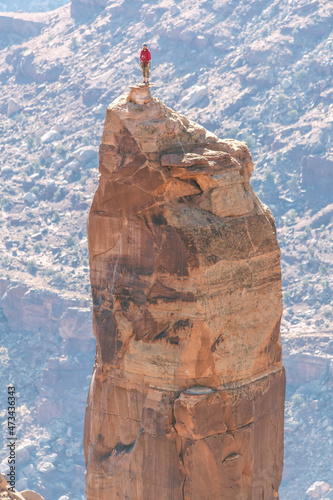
<point x="83" y="8"/>
<point x="18" y="25"/>
<point x="316" y="174"/>
<point x="187" y="394"/>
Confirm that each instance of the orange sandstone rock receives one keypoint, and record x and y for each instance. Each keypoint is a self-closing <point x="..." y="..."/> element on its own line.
<point x="187" y="395"/>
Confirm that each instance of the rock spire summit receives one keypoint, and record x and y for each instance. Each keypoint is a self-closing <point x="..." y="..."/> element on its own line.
<point x="187" y="395"/>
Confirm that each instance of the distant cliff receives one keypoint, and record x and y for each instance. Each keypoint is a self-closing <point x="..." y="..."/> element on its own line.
<point x="187" y="395"/>
<point x="81" y="8"/>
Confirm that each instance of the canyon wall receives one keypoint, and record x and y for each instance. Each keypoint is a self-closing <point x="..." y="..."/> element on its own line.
<point x="82" y="8"/>
<point x="187" y="394"/>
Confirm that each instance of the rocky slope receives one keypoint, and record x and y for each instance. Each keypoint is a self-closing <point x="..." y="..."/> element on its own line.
<point x="46" y="348"/>
<point x="187" y="395"/>
<point x="254" y="71"/>
<point x="56" y="85"/>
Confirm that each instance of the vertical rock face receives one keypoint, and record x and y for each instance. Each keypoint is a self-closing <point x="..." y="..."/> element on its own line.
<point x="187" y="395"/>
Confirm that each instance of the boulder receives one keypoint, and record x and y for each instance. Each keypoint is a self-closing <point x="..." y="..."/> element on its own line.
<point x="31" y="495"/>
<point x="91" y="95"/>
<point x="24" y="65"/>
<point x="50" y="73"/>
<point x="23" y="455"/>
<point x="194" y="96"/>
<point x="318" y="489"/>
<point x="7" y="172"/>
<point x="324" y="216"/>
<point x="29" y="198"/>
<point x="85" y="154"/>
<point x="7" y="494"/>
<point x="45" y="467"/>
<point x="13" y="107"/>
<point x="3" y="481"/>
<point x="50" y="136"/>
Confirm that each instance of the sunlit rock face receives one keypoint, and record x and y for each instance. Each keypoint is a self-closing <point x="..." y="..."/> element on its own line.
<point x="187" y="394"/>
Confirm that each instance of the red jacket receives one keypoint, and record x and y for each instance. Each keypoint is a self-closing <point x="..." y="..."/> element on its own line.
<point x="145" y="56"/>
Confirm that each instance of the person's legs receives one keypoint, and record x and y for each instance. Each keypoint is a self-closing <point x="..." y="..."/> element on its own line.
<point x="147" y="73"/>
<point x="144" y="73"/>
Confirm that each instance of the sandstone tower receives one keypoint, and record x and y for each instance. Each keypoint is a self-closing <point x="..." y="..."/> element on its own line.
<point x="187" y="395"/>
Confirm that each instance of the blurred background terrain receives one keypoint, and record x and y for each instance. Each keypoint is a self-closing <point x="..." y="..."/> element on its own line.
<point x="255" y="70"/>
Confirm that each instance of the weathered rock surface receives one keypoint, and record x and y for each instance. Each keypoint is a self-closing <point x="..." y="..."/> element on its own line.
<point x="187" y="395"/>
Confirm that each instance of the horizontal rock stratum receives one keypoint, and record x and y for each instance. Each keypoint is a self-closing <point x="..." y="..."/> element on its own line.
<point x="187" y="395"/>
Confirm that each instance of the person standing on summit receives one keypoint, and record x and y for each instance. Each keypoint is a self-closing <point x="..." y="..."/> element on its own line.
<point x="145" y="58"/>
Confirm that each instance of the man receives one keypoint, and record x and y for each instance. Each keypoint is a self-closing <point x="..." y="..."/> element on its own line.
<point x="145" y="58"/>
